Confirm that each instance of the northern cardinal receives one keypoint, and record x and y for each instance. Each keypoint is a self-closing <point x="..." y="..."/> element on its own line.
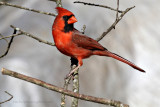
<point x="73" y="43"/>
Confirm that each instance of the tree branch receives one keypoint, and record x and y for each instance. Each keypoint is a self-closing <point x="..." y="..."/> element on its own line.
<point x="114" y="24"/>
<point x="59" y="3"/>
<point x="117" y="18"/>
<point x="32" y="36"/>
<point x="83" y="29"/>
<point x="11" y="96"/>
<point x="98" y="5"/>
<point x="9" y="44"/>
<point x="117" y="9"/>
<point x="61" y="90"/>
<point x="53" y="0"/>
<point x="75" y="85"/>
<point x="25" y="8"/>
<point x="63" y="99"/>
<point x="4" y="37"/>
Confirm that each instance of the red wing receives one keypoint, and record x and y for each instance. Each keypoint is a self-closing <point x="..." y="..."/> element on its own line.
<point x="86" y="42"/>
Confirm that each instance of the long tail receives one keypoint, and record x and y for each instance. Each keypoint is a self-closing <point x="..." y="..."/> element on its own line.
<point x="115" y="56"/>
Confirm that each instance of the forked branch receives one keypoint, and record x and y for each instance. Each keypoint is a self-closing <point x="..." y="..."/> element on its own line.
<point x="11" y="96"/>
<point x="9" y="44"/>
<point x="114" y="24"/>
<point x="32" y="36"/>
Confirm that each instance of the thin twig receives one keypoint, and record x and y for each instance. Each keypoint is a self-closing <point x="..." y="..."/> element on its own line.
<point x="53" y="0"/>
<point x="61" y="90"/>
<point x="114" y="24"/>
<point x="59" y="3"/>
<point x="4" y="37"/>
<point x="92" y="4"/>
<point x="75" y="86"/>
<point x="117" y="9"/>
<point x="83" y="29"/>
<point x="32" y="36"/>
<point x="11" y="96"/>
<point x="9" y="44"/>
<point x="25" y="8"/>
<point x="63" y="99"/>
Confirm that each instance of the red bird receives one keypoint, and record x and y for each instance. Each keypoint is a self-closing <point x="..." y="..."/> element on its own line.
<point x="73" y="43"/>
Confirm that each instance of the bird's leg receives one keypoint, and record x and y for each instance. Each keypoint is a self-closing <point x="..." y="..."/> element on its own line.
<point x="75" y="69"/>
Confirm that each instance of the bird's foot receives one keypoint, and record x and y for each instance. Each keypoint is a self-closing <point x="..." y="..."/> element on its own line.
<point x="68" y="76"/>
<point x="72" y="72"/>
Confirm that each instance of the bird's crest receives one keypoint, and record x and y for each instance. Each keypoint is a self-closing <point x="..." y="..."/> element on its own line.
<point x="62" y="11"/>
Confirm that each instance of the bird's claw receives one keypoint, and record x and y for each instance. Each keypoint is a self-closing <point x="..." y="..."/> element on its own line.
<point x="69" y="75"/>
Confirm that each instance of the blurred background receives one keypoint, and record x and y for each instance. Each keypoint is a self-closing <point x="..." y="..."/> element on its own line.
<point x="136" y="38"/>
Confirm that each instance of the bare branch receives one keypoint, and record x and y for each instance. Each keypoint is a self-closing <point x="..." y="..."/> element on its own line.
<point x="25" y="8"/>
<point x="9" y="44"/>
<point x="83" y="29"/>
<point x="53" y="0"/>
<point x="117" y="18"/>
<point x="114" y="24"/>
<point x="75" y="86"/>
<point x="63" y="99"/>
<point x="59" y="3"/>
<point x="61" y="90"/>
<point x="98" y="5"/>
<point x="117" y="9"/>
<point x="4" y="37"/>
<point x="11" y="96"/>
<point x="32" y="36"/>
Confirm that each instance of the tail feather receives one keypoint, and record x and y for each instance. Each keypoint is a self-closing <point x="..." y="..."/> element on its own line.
<point x="115" y="56"/>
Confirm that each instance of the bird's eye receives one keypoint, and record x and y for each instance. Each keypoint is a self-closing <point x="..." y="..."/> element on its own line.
<point x="65" y="17"/>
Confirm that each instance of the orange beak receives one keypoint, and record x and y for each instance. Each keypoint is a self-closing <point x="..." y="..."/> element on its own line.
<point x="72" y="20"/>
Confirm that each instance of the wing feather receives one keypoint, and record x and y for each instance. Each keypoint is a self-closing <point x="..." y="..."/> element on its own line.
<point x="86" y="42"/>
